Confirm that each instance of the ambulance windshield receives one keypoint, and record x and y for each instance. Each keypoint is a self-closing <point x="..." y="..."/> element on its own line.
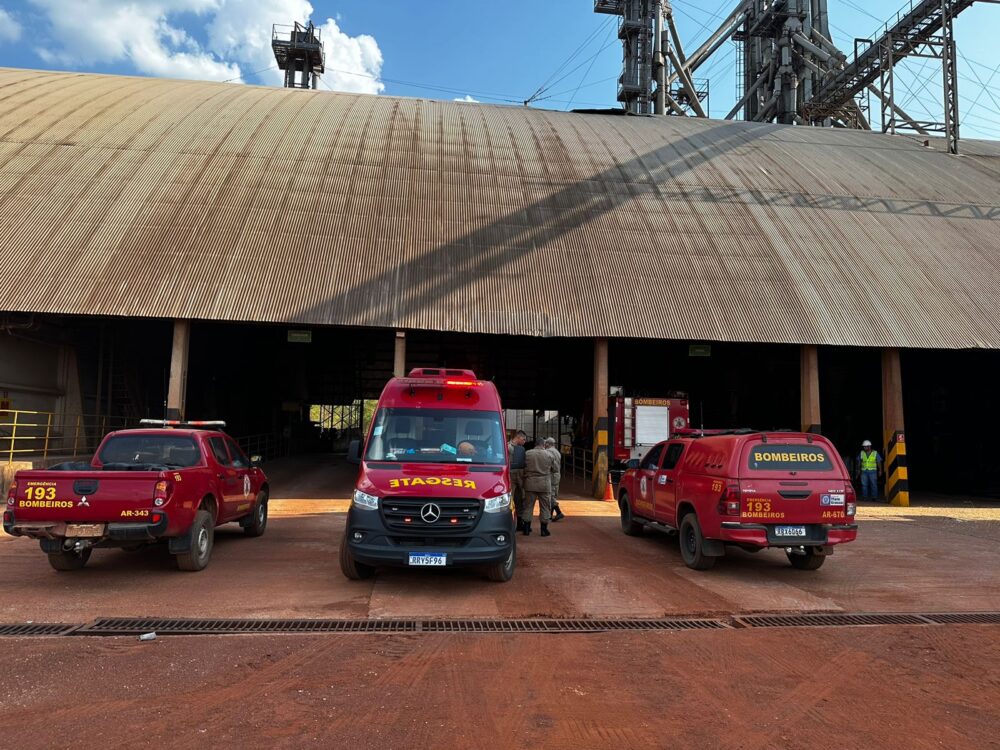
<point x="439" y="436"/>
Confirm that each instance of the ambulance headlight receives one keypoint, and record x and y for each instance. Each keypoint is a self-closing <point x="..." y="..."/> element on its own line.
<point x="364" y="501"/>
<point x="498" y="504"/>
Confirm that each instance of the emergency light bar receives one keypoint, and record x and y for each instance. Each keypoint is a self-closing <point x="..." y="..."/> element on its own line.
<point x="200" y="424"/>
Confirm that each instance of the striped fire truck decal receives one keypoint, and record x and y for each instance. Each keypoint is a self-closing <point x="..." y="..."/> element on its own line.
<point x="897" y="486"/>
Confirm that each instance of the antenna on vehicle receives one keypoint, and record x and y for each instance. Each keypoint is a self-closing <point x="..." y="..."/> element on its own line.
<point x="166" y="394"/>
<point x="701" y="408"/>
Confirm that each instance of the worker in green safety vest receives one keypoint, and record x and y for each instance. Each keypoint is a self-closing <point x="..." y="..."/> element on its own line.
<point x="869" y="469"/>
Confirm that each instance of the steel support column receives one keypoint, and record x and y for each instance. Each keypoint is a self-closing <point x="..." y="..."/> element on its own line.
<point x="893" y="429"/>
<point x="602" y="442"/>
<point x="809" y="380"/>
<point x="177" y="391"/>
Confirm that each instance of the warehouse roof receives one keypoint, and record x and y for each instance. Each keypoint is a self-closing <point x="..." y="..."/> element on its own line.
<point x="151" y="197"/>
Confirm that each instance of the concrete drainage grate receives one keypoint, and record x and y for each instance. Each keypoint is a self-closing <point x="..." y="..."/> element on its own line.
<point x="836" y="619"/>
<point x="566" y="626"/>
<point x="134" y="626"/>
<point x="176" y="626"/>
<point x="965" y="618"/>
<point x="36" y="628"/>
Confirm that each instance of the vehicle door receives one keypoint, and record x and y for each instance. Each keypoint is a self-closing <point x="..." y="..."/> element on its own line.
<point x="230" y="484"/>
<point x="645" y="481"/>
<point x="245" y="491"/>
<point x="665" y="488"/>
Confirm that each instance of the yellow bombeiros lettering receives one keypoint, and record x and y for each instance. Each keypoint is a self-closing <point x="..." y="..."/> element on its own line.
<point x="45" y="504"/>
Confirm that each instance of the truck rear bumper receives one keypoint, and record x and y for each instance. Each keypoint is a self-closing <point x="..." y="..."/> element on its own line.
<point x="379" y="546"/>
<point x="113" y="531"/>
<point x="760" y="535"/>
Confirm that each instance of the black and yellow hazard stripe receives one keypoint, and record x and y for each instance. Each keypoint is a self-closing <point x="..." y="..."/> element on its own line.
<point x="600" y="471"/>
<point x="897" y="484"/>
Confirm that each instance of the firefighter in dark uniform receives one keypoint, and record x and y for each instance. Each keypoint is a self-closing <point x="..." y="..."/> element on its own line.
<point x="539" y="466"/>
<point x="515" y="450"/>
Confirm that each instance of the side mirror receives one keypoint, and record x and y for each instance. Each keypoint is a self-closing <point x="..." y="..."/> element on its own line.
<point x="256" y="462"/>
<point x="633" y="463"/>
<point x="354" y="452"/>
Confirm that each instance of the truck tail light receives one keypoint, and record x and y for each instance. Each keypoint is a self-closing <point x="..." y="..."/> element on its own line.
<point x="11" y="491"/>
<point x="851" y="498"/>
<point x="729" y="502"/>
<point x="161" y="492"/>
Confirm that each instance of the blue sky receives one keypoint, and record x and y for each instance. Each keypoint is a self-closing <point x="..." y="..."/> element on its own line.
<point x="444" y="49"/>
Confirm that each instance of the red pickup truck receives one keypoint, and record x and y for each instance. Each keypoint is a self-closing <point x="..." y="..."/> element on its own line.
<point x="752" y="490"/>
<point x="142" y="486"/>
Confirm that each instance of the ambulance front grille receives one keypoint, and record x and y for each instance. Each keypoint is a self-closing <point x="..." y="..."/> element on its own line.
<point x="430" y="515"/>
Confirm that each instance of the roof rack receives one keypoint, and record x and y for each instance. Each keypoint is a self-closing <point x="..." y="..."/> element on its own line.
<point x="204" y="424"/>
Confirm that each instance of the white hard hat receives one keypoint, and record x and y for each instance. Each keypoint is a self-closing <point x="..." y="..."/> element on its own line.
<point x="867" y="444"/>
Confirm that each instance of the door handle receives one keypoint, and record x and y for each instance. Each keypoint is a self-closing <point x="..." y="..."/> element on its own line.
<point x="221" y="476"/>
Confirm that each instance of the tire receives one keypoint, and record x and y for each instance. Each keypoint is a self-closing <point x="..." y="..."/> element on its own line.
<point x="257" y="520"/>
<point x="502" y="572"/>
<point x="350" y="567"/>
<point x="202" y="540"/>
<point x="629" y="527"/>
<point x="692" y="544"/>
<point x="69" y="560"/>
<point x="808" y="561"/>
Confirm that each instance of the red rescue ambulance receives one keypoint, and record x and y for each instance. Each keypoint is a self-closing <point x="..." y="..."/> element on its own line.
<point x="433" y="489"/>
<point x="751" y="490"/>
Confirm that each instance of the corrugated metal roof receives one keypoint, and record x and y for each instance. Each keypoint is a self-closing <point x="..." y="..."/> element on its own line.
<point x="150" y="197"/>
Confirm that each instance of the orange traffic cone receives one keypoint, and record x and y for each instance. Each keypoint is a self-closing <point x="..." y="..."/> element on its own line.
<point x="609" y="491"/>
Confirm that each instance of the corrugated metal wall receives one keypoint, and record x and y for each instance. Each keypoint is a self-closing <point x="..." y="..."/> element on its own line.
<point x="148" y="197"/>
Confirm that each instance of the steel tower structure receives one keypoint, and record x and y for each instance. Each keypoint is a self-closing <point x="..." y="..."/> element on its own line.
<point x="298" y="51"/>
<point x="790" y="70"/>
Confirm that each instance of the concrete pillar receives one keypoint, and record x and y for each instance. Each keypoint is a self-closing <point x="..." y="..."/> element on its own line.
<point x="177" y="392"/>
<point x="897" y="490"/>
<point x="399" y="360"/>
<point x="601" y="437"/>
<point x="809" y="377"/>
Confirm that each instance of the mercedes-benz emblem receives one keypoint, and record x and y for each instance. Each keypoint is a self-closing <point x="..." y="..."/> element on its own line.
<point x="430" y="513"/>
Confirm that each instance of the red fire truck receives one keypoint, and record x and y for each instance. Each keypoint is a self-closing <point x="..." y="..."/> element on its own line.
<point x="641" y="423"/>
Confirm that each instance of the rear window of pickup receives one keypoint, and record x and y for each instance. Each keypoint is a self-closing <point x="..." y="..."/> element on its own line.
<point x="776" y="457"/>
<point x="135" y="451"/>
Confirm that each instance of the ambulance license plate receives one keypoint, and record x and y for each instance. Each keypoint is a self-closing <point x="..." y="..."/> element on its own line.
<point x="790" y="531"/>
<point x="425" y="558"/>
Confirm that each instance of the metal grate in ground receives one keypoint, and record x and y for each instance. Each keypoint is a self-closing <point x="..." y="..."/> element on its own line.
<point x="137" y="626"/>
<point x="965" y="618"/>
<point x="182" y="626"/>
<point x="36" y="628"/>
<point x="832" y="619"/>
<point x="566" y="626"/>
<point x="132" y="626"/>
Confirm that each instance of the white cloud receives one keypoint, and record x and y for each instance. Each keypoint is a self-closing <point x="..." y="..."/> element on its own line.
<point x="96" y="31"/>
<point x="468" y="99"/>
<point x="237" y="37"/>
<point x="10" y="30"/>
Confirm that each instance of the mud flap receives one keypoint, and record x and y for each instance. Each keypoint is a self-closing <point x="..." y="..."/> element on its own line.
<point x="179" y="544"/>
<point x="51" y="546"/>
<point x="713" y="548"/>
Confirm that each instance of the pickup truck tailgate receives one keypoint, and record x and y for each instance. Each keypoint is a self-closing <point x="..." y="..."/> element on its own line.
<point x="84" y="496"/>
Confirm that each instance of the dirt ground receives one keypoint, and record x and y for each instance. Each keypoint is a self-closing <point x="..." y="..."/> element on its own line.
<point x="866" y="687"/>
<point x="858" y="687"/>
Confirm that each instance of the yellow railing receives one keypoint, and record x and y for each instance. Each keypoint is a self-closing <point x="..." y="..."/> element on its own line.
<point x="41" y="434"/>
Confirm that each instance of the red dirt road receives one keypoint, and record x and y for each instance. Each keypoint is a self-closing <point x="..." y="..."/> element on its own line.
<point x="862" y="687"/>
<point x="868" y="687"/>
